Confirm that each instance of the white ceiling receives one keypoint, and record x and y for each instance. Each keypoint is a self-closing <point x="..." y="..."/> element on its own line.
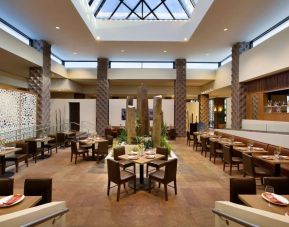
<point x="245" y="20"/>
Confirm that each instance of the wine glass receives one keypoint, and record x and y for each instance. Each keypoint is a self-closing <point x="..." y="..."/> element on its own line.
<point x="277" y="153"/>
<point x="269" y="189"/>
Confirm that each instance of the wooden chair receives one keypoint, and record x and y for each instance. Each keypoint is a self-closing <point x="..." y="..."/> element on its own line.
<point x="101" y="151"/>
<point x="118" y="176"/>
<point x="33" y="150"/>
<point x="76" y="152"/>
<point x="230" y="159"/>
<point x="280" y="184"/>
<point x="118" y="151"/>
<point x="159" y="163"/>
<point x="214" y="151"/>
<point x="166" y="176"/>
<point x="39" y="187"/>
<point x="189" y="138"/>
<point x="252" y="170"/>
<point x="109" y="138"/>
<point x="196" y="142"/>
<point x="241" y="186"/>
<point x="61" y="140"/>
<point x="18" y="156"/>
<point x="6" y="186"/>
<point x="205" y="147"/>
<point x="52" y="144"/>
<point x="172" y="134"/>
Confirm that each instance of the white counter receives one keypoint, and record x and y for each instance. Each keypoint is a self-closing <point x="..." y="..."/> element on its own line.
<point x="266" y="126"/>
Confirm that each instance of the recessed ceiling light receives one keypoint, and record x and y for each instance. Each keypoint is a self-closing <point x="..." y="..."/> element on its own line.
<point x="186" y="39"/>
<point x="75" y="53"/>
<point x="98" y="38"/>
<point x="207" y="54"/>
<point x="225" y="29"/>
<point x="57" y="27"/>
<point x="122" y="51"/>
<point x="165" y="51"/>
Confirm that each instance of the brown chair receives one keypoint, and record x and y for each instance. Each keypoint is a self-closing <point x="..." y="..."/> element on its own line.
<point x="189" y="138"/>
<point x="51" y="144"/>
<point x="166" y="176"/>
<point x="280" y="184"/>
<point x="101" y="151"/>
<point x="118" y="151"/>
<point x="18" y="156"/>
<point x="109" y="138"/>
<point x="108" y="132"/>
<point x="61" y="140"/>
<point x="76" y="152"/>
<point x="39" y="187"/>
<point x="159" y="163"/>
<point x="205" y="147"/>
<point x="172" y="134"/>
<point x="229" y="159"/>
<point x="241" y="186"/>
<point x="33" y="150"/>
<point x="196" y="142"/>
<point x="118" y="176"/>
<point x="214" y="151"/>
<point x="6" y="186"/>
<point x="252" y="170"/>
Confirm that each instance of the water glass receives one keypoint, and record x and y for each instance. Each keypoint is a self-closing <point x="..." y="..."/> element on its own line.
<point x="269" y="189"/>
<point x="277" y="153"/>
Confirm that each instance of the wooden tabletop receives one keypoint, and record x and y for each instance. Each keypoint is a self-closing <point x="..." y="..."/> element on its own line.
<point x="29" y="201"/>
<point x="256" y="201"/>
<point x="141" y="159"/>
<point x="8" y="151"/>
<point x="227" y="142"/>
<point x="248" y="151"/>
<point x="271" y="159"/>
<point x="42" y="139"/>
<point x="92" y="141"/>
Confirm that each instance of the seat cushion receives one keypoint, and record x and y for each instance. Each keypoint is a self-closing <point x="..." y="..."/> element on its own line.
<point x="219" y="151"/>
<point x="262" y="172"/>
<point x="125" y="163"/>
<point x="125" y="175"/>
<point x="160" y="175"/>
<point x="13" y="157"/>
<point x="237" y="159"/>
<point x="157" y="163"/>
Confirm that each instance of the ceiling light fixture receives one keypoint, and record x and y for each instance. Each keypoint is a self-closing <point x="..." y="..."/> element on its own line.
<point x="57" y="27"/>
<point x="186" y="39"/>
<point x="122" y="51"/>
<point x="98" y="38"/>
<point x="225" y="29"/>
<point x="165" y="51"/>
<point x="75" y="53"/>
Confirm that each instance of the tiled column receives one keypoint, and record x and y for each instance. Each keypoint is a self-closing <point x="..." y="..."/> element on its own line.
<point x="238" y="89"/>
<point x="102" y="96"/>
<point x="39" y="82"/>
<point x="180" y="97"/>
<point x="204" y="109"/>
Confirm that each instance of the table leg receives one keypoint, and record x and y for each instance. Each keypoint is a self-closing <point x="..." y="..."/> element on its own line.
<point x="277" y="171"/>
<point x="141" y="174"/>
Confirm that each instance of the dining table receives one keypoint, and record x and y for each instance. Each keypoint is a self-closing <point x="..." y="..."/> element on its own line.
<point x="142" y="183"/>
<point x="227" y="142"/>
<point x="4" y="151"/>
<point x="257" y="201"/>
<point x="276" y="162"/>
<point x="89" y="143"/>
<point x="42" y="141"/>
<point x="252" y="150"/>
<point x="28" y="201"/>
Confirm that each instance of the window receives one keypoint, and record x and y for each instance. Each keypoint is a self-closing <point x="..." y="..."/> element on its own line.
<point x="80" y="64"/>
<point x="202" y="65"/>
<point x="226" y="60"/>
<point x="141" y="65"/>
<point x="127" y="65"/>
<point x="14" y="32"/>
<point x="56" y="59"/>
<point x="158" y="65"/>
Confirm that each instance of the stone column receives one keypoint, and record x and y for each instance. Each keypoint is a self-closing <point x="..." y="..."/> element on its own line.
<point x="102" y="96"/>
<point x="204" y="109"/>
<point x="130" y="123"/>
<point x="143" y="110"/>
<point x="238" y="89"/>
<point x="39" y="82"/>
<point x="129" y="102"/>
<point x="180" y="97"/>
<point x="157" y="121"/>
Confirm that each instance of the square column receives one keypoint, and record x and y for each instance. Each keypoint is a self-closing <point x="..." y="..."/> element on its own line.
<point x="180" y="97"/>
<point x="102" y="96"/>
<point x="204" y="110"/>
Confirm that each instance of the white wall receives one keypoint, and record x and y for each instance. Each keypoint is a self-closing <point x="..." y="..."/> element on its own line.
<point x="115" y="106"/>
<point x="192" y="108"/>
<point x="266" y="126"/>
<point x="229" y="112"/>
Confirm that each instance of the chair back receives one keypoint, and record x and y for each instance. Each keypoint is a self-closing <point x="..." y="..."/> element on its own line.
<point x="32" y="147"/>
<point x="6" y="186"/>
<point x="24" y="147"/>
<point x="212" y="147"/>
<point x="241" y="186"/>
<point x="280" y="184"/>
<point x="164" y="151"/>
<point x="109" y="138"/>
<point x="227" y="156"/>
<point x="113" y="171"/>
<point x="103" y="147"/>
<point x="60" y="137"/>
<point x="74" y="149"/>
<point x="195" y="137"/>
<point x="39" y="187"/>
<point x="171" y="170"/>
<point x="118" y="151"/>
<point x="53" y="136"/>
<point x="204" y="143"/>
<point x="248" y="165"/>
<point x="108" y="131"/>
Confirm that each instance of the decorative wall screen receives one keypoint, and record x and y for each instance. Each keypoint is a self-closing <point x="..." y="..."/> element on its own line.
<point x="17" y="112"/>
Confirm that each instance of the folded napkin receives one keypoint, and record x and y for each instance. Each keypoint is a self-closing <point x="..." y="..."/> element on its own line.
<point x="273" y="198"/>
<point x="12" y="200"/>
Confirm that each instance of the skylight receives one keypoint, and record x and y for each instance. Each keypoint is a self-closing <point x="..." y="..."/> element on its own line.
<point x="142" y="9"/>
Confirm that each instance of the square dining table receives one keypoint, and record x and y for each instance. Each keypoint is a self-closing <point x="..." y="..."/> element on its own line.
<point x="274" y="161"/>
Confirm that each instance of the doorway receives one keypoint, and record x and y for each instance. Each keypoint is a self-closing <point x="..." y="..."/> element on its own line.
<point x="74" y="115"/>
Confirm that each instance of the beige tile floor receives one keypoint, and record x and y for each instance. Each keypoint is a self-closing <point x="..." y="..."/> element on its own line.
<point x="83" y="187"/>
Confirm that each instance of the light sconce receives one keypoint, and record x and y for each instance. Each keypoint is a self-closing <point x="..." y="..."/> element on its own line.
<point x="215" y="109"/>
<point x="220" y="109"/>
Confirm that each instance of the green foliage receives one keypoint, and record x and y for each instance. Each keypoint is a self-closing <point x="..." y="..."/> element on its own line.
<point x="164" y="130"/>
<point x="122" y="136"/>
<point x="148" y="143"/>
<point x="164" y="143"/>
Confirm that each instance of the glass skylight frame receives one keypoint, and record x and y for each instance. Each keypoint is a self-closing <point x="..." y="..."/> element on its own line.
<point x="80" y="64"/>
<point x="203" y="65"/>
<point x="141" y="65"/>
<point x="142" y="9"/>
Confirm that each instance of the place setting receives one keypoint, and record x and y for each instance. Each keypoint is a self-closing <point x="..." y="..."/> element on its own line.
<point x="11" y="200"/>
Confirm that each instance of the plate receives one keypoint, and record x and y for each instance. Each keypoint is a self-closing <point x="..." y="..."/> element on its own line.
<point x="9" y="148"/>
<point x="242" y="148"/>
<point x="284" y="157"/>
<point x="258" y="148"/>
<point x="5" y="199"/>
<point x="236" y="142"/>
<point x="275" y="199"/>
<point x="149" y="152"/>
<point x="150" y="156"/>
<point x="133" y="157"/>
<point x="267" y="157"/>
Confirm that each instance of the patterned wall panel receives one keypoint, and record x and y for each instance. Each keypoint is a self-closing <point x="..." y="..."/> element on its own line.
<point x="255" y="106"/>
<point x="180" y="97"/>
<point x="204" y="109"/>
<point x="238" y="89"/>
<point x="40" y="82"/>
<point x="102" y="96"/>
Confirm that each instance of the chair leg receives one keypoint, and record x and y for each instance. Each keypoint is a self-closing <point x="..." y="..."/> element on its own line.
<point x="134" y="185"/>
<point x="150" y="185"/>
<point x="75" y="159"/>
<point x="159" y="184"/>
<point x="214" y="159"/>
<point x="108" y="187"/>
<point x="26" y="161"/>
<point x="147" y="170"/>
<point x="71" y="156"/>
<point x="118" y="192"/>
<point x="175" y="185"/>
<point x="134" y="169"/>
<point x="166" y="192"/>
<point x="124" y="185"/>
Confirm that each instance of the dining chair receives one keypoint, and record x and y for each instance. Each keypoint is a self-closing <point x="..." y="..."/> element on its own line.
<point x="229" y="159"/>
<point x="6" y="186"/>
<point x="18" y="156"/>
<point x="117" y="176"/>
<point x="76" y="152"/>
<point x="280" y="184"/>
<point x="101" y="151"/>
<point x="205" y="147"/>
<point x="158" y="163"/>
<point x="33" y="150"/>
<point x="189" y="138"/>
<point x="118" y="151"/>
<point x="39" y="187"/>
<point x="109" y="138"/>
<point x="197" y="142"/>
<point x="51" y="144"/>
<point x="165" y="176"/>
<point x="254" y="171"/>
<point x="214" y="151"/>
<point x="61" y="140"/>
<point x="241" y="186"/>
